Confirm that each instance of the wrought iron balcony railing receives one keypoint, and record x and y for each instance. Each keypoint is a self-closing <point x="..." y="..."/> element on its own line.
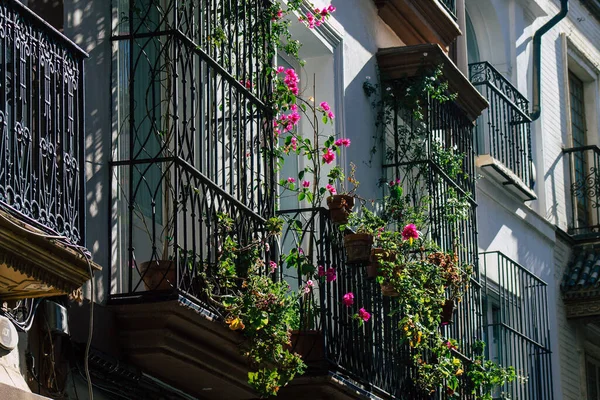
<point x="583" y="165"/>
<point x="372" y="356"/>
<point x="193" y="138"/>
<point x="517" y="330"/>
<point x="450" y="5"/>
<point x="503" y="132"/>
<point x="41" y="124"/>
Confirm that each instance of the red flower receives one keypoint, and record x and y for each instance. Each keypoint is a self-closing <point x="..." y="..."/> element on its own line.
<point x="410" y="232"/>
<point x="364" y="314"/>
<point x="348" y="299"/>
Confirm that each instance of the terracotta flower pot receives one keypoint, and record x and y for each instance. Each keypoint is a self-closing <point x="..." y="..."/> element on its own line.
<point x="358" y="248"/>
<point x="447" y="312"/>
<point x="388" y="290"/>
<point x="158" y="274"/>
<point x="309" y="344"/>
<point x="378" y="254"/>
<point x="340" y="206"/>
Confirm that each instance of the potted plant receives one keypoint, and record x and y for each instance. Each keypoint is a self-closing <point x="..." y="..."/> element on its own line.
<point x="358" y="244"/>
<point x="341" y="204"/>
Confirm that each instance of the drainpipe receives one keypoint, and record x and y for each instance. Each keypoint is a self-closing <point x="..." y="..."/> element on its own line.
<point x="536" y="108"/>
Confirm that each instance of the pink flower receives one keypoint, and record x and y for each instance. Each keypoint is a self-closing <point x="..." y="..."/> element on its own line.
<point x="325" y="106"/>
<point x="321" y="270"/>
<point x="328" y="156"/>
<point x="280" y="13"/>
<point x="331" y="8"/>
<point x="331" y="275"/>
<point x="305" y="184"/>
<point x="294" y="143"/>
<point x="324" y="12"/>
<point x="308" y="287"/>
<point x="272" y="266"/>
<point x="342" y="142"/>
<point x="248" y="84"/>
<point x="348" y="299"/>
<point x="391" y="183"/>
<point x="291" y="180"/>
<point x="410" y="232"/>
<point x="280" y="69"/>
<point x="330" y="114"/>
<point x="364" y="314"/>
<point x="331" y="189"/>
<point x="267" y="247"/>
<point x="294" y="117"/>
<point x="293" y="107"/>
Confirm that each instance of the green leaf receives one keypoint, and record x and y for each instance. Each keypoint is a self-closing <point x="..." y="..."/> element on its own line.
<point x="301" y="175"/>
<point x="309" y="197"/>
<point x="301" y="196"/>
<point x="324" y="119"/>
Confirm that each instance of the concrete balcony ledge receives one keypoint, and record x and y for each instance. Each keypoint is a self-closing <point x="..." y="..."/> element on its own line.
<point x="32" y="265"/>
<point x="419" y="21"/>
<point x="503" y="176"/>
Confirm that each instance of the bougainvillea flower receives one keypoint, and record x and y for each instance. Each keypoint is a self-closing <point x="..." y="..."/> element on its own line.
<point x="321" y="270"/>
<point x="410" y="232"/>
<point x="342" y="142"/>
<point x="331" y="274"/>
<point x="328" y="156"/>
<point x="364" y="314"/>
<point x="305" y="184"/>
<point x="348" y="299"/>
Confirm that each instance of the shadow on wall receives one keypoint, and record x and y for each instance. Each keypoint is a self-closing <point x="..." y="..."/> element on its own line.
<point x="87" y="23"/>
<point x="361" y="42"/>
<point x="556" y="178"/>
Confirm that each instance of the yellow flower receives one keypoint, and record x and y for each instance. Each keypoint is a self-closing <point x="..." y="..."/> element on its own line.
<point x="235" y="324"/>
<point x="459" y="372"/>
<point x="456" y="362"/>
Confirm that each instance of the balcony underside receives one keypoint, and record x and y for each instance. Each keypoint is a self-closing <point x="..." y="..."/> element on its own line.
<point x="188" y="349"/>
<point x="419" y="21"/>
<point x="505" y="177"/>
<point x="34" y="266"/>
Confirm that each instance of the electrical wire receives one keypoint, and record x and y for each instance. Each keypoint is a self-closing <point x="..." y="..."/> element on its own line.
<point x="87" y="256"/>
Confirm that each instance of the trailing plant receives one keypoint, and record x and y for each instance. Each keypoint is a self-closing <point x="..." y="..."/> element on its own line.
<point x="485" y="376"/>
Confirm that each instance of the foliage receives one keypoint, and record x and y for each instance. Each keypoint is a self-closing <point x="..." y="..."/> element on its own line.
<point x="485" y="375"/>
<point x="265" y="311"/>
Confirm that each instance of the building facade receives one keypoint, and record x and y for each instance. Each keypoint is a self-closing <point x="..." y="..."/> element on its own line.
<point x="129" y="126"/>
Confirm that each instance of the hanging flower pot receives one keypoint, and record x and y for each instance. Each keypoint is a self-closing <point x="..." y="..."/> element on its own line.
<point x="388" y="290"/>
<point x="309" y="344"/>
<point x="358" y="248"/>
<point x="447" y="312"/>
<point x="158" y="274"/>
<point x="340" y="206"/>
<point x="377" y="255"/>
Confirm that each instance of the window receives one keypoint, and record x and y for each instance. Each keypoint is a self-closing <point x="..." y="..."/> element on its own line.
<point x="578" y="132"/>
<point x="592" y="372"/>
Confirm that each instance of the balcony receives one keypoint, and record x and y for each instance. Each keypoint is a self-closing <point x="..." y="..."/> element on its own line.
<point x="369" y="360"/>
<point x="421" y="21"/>
<point x="42" y="194"/>
<point x="189" y="149"/>
<point x="503" y="132"/>
<point x="516" y="325"/>
<point x="583" y="166"/>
